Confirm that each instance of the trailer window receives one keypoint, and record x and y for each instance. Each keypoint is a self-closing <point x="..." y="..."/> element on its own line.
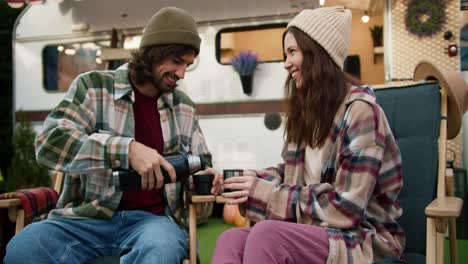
<point x="62" y="63"/>
<point x="264" y="40"/>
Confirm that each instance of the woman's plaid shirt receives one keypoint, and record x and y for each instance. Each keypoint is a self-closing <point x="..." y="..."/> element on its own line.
<point x="356" y="199"/>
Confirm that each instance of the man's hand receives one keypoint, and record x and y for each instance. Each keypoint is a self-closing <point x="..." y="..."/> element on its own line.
<point x="147" y="162"/>
<point x="240" y="186"/>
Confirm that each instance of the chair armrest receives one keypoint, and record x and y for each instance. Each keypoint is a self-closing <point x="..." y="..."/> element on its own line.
<point x="203" y="198"/>
<point x="15" y="212"/>
<point x="444" y="207"/>
<point x="12" y="205"/>
<point x="7" y="203"/>
<point x="35" y="202"/>
<point x="221" y="199"/>
<point x="209" y="199"/>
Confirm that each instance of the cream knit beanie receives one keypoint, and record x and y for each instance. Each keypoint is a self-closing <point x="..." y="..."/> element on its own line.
<point x="328" y="26"/>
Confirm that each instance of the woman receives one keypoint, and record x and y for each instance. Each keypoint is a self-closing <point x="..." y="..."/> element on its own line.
<point x="334" y="200"/>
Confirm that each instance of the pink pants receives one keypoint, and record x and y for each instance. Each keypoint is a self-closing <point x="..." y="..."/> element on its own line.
<point x="272" y="242"/>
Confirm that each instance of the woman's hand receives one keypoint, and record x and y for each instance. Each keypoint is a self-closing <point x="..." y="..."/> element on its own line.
<point x="240" y="187"/>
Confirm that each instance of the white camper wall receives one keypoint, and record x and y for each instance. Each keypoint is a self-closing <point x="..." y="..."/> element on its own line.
<point x="242" y="142"/>
<point x="30" y="94"/>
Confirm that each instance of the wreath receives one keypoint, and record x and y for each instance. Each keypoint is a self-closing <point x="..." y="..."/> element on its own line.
<point x="425" y="17"/>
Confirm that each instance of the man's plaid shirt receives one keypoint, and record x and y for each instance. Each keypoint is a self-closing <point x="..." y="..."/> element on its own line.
<point x="88" y="135"/>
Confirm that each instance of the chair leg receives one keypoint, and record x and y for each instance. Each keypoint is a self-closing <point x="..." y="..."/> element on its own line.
<point x="193" y="234"/>
<point x="19" y="220"/>
<point x="453" y="240"/>
<point x="431" y="241"/>
<point x="440" y="247"/>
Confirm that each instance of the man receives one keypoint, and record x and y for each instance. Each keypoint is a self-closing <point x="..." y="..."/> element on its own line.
<point x="113" y="120"/>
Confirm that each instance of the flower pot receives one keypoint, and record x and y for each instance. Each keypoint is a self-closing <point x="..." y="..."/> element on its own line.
<point x="247" y="81"/>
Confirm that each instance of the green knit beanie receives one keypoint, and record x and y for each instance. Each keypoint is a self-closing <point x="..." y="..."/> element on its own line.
<point x="171" y="25"/>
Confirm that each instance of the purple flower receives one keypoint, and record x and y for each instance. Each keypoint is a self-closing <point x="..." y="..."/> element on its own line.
<point x="245" y="63"/>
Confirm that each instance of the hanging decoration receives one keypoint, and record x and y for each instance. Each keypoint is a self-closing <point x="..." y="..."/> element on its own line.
<point x="245" y="64"/>
<point x="20" y="3"/>
<point x="425" y="18"/>
<point x="15" y="3"/>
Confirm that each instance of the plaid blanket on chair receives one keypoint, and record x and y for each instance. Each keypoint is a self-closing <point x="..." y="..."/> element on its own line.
<point x="35" y="202"/>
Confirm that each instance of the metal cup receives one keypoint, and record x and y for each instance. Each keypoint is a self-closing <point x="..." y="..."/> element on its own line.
<point x="203" y="183"/>
<point x="231" y="173"/>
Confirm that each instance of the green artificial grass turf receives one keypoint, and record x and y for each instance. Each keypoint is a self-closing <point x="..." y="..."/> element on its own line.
<point x="462" y="251"/>
<point x="207" y="234"/>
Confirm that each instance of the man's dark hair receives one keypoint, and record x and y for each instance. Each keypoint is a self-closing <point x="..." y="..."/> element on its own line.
<point x="142" y="61"/>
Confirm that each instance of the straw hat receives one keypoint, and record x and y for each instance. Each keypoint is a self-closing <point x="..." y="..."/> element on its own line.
<point x="457" y="93"/>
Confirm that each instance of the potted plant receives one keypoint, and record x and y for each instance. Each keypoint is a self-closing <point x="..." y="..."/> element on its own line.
<point x="24" y="172"/>
<point x="245" y="64"/>
<point x="377" y="35"/>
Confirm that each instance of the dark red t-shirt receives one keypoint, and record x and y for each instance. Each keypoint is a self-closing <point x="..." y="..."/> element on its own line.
<point x="148" y="132"/>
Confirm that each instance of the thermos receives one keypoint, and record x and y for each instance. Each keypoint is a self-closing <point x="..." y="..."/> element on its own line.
<point x="183" y="163"/>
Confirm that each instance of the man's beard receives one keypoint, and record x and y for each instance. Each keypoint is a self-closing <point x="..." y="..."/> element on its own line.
<point x="161" y="86"/>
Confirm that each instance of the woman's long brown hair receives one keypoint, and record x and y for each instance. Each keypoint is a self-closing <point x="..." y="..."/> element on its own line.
<point x="312" y="108"/>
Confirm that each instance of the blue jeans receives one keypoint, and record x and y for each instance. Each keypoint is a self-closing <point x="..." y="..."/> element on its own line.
<point x="136" y="236"/>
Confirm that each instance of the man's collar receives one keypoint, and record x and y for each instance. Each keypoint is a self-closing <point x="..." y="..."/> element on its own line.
<point x="166" y="99"/>
<point x="122" y="85"/>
